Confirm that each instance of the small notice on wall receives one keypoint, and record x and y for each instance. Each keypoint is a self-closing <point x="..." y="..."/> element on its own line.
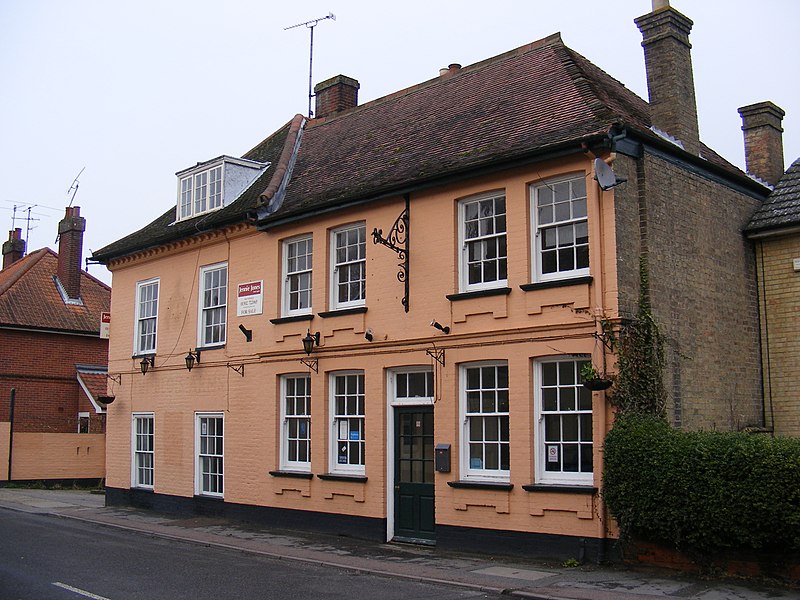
<point x="105" y="325"/>
<point x="250" y="298"/>
<point x="552" y="454"/>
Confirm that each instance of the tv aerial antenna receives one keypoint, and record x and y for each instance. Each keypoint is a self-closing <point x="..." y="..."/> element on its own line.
<point x="74" y="186"/>
<point x="310" y="25"/>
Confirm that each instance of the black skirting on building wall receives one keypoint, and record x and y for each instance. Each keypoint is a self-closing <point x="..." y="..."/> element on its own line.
<point x="366" y="528"/>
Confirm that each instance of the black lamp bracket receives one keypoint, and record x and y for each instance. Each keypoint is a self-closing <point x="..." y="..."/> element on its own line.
<point x="238" y="368"/>
<point x="311" y="363"/>
<point x="397" y="240"/>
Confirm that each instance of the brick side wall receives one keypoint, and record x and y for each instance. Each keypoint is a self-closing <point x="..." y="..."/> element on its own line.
<point x="41" y="366"/>
<point x="703" y="286"/>
<point x="55" y="456"/>
<point x="780" y="306"/>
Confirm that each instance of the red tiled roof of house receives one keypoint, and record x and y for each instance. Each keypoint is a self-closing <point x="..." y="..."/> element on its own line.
<point x="30" y="298"/>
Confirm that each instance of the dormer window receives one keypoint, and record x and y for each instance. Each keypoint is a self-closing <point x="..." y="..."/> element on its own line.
<point x="213" y="184"/>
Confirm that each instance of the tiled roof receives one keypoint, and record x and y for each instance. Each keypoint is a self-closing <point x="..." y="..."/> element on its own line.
<point x="29" y="297"/>
<point x="782" y="208"/>
<point x="94" y="383"/>
<point x="514" y="107"/>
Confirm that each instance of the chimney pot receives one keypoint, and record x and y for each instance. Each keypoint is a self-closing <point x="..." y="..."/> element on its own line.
<point x="70" y="250"/>
<point x="763" y="140"/>
<point x="335" y="95"/>
<point x="14" y="248"/>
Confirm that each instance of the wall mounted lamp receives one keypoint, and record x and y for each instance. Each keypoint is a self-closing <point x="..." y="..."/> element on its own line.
<point x="248" y="333"/>
<point x="191" y="358"/>
<point x="311" y="340"/>
<point x="369" y="334"/>
<point x="443" y="328"/>
<point x="146" y="363"/>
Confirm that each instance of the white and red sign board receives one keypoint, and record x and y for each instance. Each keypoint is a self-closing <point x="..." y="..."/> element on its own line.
<point x="250" y="298"/>
<point x="105" y="325"/>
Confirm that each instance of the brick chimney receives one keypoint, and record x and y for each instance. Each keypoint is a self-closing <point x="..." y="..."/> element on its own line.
<point x="335" y="95"/>
<point x="70" y="249"/>
<point x="14" y="248"/>
<point x="763" y="140"/>
<point x="670" y="81"/>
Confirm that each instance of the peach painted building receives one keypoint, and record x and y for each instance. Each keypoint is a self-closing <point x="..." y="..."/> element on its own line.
<point x="445" y="255"/>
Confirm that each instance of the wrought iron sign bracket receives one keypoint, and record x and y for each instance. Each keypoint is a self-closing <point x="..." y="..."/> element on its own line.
<point x="436" y="354"/>
<point x="397" y="241"/>
<point x="238" y="368"/>
<point x="311" y="363"/>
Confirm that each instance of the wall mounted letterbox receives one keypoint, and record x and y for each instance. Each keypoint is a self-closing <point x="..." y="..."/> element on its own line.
<point x="442" y="458"/>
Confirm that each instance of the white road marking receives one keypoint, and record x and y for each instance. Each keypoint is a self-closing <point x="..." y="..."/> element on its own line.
<point x="80" y="592"/>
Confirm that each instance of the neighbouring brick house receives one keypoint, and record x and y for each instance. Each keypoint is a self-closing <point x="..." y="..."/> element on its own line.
<point x="775" y="231"/>
<point x="293" y="370"/>
<point x="52" y="356"/>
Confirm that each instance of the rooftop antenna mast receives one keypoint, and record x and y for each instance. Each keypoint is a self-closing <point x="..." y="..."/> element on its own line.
<point x="74" y="186"/>
<point x="310" y="25"/>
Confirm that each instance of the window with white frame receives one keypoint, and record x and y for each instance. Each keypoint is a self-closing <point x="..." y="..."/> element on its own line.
<point x="143" y="450"/>
<point x="561" y="229"/>
<point x="347" y="409"/>
<point x="413" y="386"/>
<point x="296" y="417"/>
<point x="213" y="305"/>
<point x="200" y="192"/>
<point x="484" y="405"/>
<point x="83" y="422"/>
<point x="483" y="262"/>
<point x="209" y="440"/>
<point x="297" y="259"/>
<point x="348" y="258"/>
<point x="564" y="448"/>
<point x="146" y="316"/>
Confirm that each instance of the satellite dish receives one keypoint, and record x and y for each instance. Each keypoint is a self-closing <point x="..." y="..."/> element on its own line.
<point x="605" y="176"/>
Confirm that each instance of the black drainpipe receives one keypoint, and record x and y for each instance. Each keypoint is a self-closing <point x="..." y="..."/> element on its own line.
<point x="11" y="431"/>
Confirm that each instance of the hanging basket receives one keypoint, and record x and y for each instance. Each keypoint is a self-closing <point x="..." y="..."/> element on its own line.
<point x="597" y="385"/>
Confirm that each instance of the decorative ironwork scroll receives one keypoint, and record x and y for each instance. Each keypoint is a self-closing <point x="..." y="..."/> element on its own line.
<point x="397" y="240"/>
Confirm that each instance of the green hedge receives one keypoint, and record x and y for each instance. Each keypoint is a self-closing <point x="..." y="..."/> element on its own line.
<point x="702" y="491"/>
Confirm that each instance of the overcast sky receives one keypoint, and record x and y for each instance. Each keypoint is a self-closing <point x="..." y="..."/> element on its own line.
<point x="136" y="91"/>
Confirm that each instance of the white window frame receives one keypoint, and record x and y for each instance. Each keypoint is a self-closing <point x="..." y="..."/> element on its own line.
<point x="393" y="380"/>
<point x="136" y="452"/>
<point x="575" y="220"/>
<point x="138" y="350"/>
<point x="84" y="415"/>
<point x="200" y="192"/>
<point x="290" y="275"/>
<point x="338" y="420"/>
<point x="204" y="310"/>
<point x="542" y="446"/>
<point x="288" y="417"/>
<point x="468" y="471"/>
<point x="336" y="266"/>
<point x="199" y="456"/>
<point x="466" y="240"/>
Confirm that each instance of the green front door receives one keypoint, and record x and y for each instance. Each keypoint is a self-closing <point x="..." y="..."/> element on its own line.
<point x="414" y="514"/>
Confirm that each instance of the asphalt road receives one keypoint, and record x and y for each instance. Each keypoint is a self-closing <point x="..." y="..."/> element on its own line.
<point x="45" y="557"/>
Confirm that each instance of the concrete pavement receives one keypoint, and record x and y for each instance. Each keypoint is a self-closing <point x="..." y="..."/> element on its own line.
<point x="499" y="575"/>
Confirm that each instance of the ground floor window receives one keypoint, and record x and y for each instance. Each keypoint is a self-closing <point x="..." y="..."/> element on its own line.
<point x="210" y="429"/>
<point x="484" y="406"/>
<point x="83" y="422"/>
<point x="143" y="450"/>
<point x="564" y="445"/>
<point x="347" y="408"/>
<point x="296" y="417"/>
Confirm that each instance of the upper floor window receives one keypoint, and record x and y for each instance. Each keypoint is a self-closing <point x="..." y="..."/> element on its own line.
<point x="297" y="258"/>
<point x="483" y="262"/>
<point x="213" y="305"/>
<point x="201" y="192"/>
<point x="564" y="413"/>
<point x="215" y="183"/>
<point x="146" y="316"/>
<point x="348" y="260"/>
<point x="560" y="229"/>
<point x="484" y="406"/>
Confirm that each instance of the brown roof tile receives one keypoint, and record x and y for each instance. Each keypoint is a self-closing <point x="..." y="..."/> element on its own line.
<point x="29" y="297"/>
